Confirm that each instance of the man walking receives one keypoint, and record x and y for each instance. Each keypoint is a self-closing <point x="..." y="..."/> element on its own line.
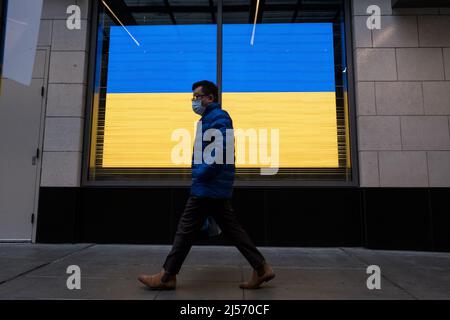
<point x="211" y="191"/>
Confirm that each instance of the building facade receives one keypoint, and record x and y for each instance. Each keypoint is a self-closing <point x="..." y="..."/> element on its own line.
<point x="363" y="115"/>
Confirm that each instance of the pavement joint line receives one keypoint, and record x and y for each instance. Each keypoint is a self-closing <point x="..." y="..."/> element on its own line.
<point x="131" y="279"/>
<point x="317" y="268"/>
<point x="382" y="274"/>
<point x="45" y="264"/>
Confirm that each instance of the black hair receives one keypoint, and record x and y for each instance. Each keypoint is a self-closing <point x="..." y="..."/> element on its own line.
<point x="208" y="88"/>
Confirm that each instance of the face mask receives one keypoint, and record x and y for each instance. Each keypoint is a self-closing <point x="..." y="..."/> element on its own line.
<point x="197" y="107"/>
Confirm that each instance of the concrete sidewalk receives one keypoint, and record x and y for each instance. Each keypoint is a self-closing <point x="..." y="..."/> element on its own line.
<point x="38" y="271"/>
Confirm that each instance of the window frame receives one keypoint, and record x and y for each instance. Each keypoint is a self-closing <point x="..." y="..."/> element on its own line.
<point x="93" y="35"/>
<point x="3" y="18"/>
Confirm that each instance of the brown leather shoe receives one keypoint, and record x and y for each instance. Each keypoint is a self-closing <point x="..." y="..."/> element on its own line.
<point x="155" y="281"/>
<point x="256" y="281"/>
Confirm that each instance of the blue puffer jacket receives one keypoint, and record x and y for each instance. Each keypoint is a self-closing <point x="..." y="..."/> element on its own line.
<point x="212" y="180"/>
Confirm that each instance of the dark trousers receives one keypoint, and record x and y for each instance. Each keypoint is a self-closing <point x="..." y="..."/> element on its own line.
<point x="191" y="221"/>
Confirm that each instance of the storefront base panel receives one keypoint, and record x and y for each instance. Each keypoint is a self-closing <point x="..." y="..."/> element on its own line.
<point x="375" y="218"/>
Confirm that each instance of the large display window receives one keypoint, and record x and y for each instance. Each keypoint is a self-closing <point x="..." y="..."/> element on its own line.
<point x="282" y="74"/>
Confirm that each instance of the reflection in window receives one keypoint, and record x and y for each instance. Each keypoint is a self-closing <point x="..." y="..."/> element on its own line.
<point x="149" y="91"/>
<point x="148" y="67"/>
<point x="283" y="72"/>
<point x="280" y="74"/>
<point x="284" y="81"/>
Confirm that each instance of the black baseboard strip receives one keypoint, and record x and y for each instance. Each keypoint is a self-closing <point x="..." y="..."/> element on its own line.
<point x="376" y="218"/>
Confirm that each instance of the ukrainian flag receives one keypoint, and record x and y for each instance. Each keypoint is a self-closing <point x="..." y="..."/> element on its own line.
<point x="283" y="80"/>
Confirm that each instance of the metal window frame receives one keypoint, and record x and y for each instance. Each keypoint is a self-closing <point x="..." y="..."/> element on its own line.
<point x="354" y="182"/>
<point x="3" y="17"/>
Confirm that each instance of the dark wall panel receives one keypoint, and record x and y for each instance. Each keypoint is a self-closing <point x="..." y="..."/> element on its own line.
<point x="314" y="217"/>
<point x="124" y="215"/>
<point x="250" y="208"/>
<point x="440" y="208"/>
<point x="57" y="212"/>
<point x="398" y="218"/>
<point x="376" y="218"/>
